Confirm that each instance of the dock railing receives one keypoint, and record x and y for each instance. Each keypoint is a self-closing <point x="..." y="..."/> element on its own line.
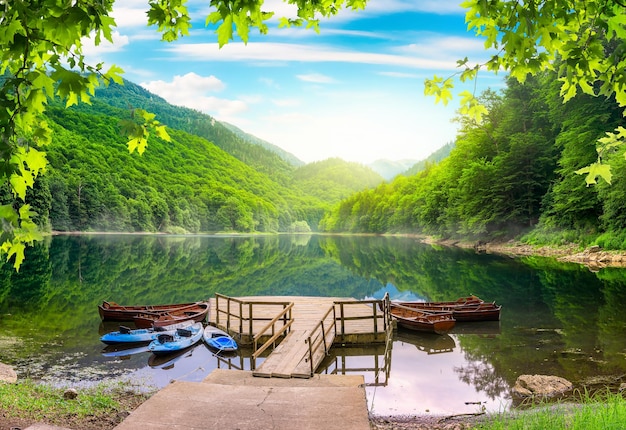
<point x="320" y="338"/>
<point x="237" y="316"/>
<point x="380" y="314"/>
<point x="284" y="316"/>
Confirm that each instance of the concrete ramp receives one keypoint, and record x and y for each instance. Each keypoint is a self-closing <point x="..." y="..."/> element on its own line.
<point x="234" y="399"/>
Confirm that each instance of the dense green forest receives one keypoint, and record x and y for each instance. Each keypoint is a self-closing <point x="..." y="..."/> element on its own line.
<point x="513" y="174"/>
<point x="208" y="178"/>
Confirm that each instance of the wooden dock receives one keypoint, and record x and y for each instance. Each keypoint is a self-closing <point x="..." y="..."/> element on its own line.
<point x="299" y="330"/>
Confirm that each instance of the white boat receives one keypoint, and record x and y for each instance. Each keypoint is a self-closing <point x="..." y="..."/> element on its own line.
<point x="182" y="338"/>
<point x="219" y="340"/>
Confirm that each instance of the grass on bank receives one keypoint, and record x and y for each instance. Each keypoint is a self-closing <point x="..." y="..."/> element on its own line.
<point x="30" y="400"/>
<point x="605" y="411"/>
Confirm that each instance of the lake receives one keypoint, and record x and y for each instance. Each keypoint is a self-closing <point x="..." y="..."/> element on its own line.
<point x="557" y="318"/>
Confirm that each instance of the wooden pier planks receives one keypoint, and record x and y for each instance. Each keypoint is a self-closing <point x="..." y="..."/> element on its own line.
<point x="290" y="359"/>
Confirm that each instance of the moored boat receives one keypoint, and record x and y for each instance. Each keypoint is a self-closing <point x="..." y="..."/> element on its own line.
<point x="419" y="320"/>
<point x="111" y="311"/>
<point x="128" y="335"/>
<point x="197" y="313"/>
<point x="468" y="311"/>
<point x="219" y="340"/>
<point x="182" y="339"/>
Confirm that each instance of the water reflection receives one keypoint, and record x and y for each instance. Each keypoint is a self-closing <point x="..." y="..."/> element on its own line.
<point x="432" y="381"/>
<point x="557" y="318"/>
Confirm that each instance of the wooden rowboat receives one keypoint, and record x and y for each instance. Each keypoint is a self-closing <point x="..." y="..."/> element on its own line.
<point x="462" y="301"/>
<point x="474" y="311"/>
<point x="419" y="320"/>
<point x="111" y="311"/>
<point x="197" y="313"/>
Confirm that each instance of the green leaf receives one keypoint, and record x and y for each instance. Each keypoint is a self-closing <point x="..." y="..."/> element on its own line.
<point x="225" y="31"/>
<point x="594" y="170"/>
<point x="162" y="133"/>
<point x="16" y="250"/>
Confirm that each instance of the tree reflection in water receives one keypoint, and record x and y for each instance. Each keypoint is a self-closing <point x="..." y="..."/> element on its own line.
<point x="557" y="318"/>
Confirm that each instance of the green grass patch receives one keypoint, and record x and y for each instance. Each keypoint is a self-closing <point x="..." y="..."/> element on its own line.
<point x="30" y="400"/>
<point x="598" y="412"/>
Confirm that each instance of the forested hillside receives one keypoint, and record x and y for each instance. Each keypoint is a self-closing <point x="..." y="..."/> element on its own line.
<point x="208" y="178"/>
<point x="433" y="158"/>
<point x="511" y="175"/>
<point x="264" y="158"/>
<point x="188" y="184"/>
<point x="334" y="179"/>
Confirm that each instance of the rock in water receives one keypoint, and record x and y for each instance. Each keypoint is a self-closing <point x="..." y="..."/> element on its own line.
<point x="541" y="386"/>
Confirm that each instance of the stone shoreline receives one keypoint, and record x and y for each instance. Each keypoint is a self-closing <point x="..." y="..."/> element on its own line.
<point x="593" y="257"/>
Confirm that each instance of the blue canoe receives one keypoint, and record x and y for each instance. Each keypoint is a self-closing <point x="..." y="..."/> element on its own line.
<point x="219" y="340"/>
<point x="127" y="335"/>
<point x="183" y="338"/>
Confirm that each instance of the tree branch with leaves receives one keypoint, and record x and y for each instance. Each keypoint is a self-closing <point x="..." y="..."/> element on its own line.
<point x="586" y="39"/>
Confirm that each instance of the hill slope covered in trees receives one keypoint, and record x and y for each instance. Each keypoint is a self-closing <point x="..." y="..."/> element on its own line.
<point x="207" y="178"/>
<point x="513" y="174"/>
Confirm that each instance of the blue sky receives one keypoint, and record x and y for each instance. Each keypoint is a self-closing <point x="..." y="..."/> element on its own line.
<point x="354" y="91"/>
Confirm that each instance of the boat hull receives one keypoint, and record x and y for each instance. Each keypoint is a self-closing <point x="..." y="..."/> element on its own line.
<point x="167" y="344"/>
<point x="197" y="313"/>
<point x="461" y="313"/>
<point x="219" y="340"/>
<point x="111" y="311"/>
<point x="126" y="335"/>
<point x="418" y="320"/>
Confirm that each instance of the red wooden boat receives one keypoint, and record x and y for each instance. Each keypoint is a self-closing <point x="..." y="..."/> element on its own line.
<point x="419" y="320"/>
<point x="197" y="313"/>
<point x="475" y="311"/>
<point x="111" y="311"/>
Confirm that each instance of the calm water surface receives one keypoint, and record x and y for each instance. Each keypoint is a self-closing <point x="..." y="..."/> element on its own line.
<point x="557" y="318"/>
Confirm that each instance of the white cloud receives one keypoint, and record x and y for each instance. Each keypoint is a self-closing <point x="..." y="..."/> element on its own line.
<point x="439" y="46"/>
<point x="189" y="84"/>
<point x="316" y="78"/>
<point x="382" y="7"/>
<point x="191" y="90"/>
<point x="129" y="15"/>
<point x="284" y="52"/>
<point x="93" y="53"/>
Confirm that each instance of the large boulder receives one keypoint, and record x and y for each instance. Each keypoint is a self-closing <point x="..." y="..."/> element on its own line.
<point x="541" y="386"/>
<point x="7" y="374"/>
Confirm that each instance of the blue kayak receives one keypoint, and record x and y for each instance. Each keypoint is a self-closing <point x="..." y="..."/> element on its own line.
<point x="127" y="335"/>
<point x="219" y="340"/>
<point x="183" y="338"/>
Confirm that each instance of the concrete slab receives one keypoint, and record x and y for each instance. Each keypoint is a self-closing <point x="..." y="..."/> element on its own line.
<point x="230" y="399"/>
